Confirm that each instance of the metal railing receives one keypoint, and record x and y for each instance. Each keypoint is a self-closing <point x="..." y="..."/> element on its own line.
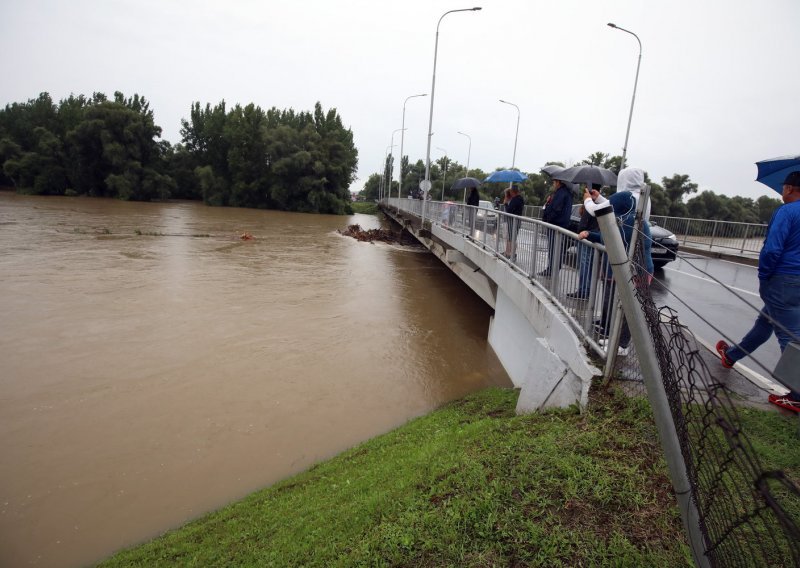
<point x="710" y="234"/>
<point x="574" y="273"/>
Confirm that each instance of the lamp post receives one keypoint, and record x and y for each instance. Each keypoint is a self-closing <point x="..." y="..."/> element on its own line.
<point x="402" y="137"/>
<point x="514" y="157"/>
<point x="633" y="98"/>
<point x="444" y="177"/>
<point x="469" y="151"/>
<point x="391" y="163"/>
<point x="427" y="180"/>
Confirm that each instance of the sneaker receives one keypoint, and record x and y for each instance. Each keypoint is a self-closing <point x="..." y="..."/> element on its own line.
<point x="787" y="401"/>
<point x="722" y="349"/>
<point x="621" y="351"/>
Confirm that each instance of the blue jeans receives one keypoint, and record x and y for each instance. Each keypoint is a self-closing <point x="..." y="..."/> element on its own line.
<point x="781" y="296"/>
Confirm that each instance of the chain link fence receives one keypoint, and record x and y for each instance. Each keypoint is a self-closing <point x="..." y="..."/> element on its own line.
<point x="749" y="514"/>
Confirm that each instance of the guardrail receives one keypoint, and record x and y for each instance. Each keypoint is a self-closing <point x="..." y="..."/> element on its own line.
<point x="706" y="233"/>
<point x="574" y="273"/>
<point x="701" y="233"/>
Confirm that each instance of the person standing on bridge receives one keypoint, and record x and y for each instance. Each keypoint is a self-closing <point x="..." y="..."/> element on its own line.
<point x="473" y="200"/>
<point x="778" y="286"/>
<point x="515" y="206"/>
<point x="557" y="212"/>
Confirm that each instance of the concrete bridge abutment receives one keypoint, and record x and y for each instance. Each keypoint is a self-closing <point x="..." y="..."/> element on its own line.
<point x="531" y="336"/>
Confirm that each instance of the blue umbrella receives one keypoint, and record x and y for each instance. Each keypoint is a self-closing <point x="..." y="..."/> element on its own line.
<point x="506" y="176"/>
<point x="772" y="172"/>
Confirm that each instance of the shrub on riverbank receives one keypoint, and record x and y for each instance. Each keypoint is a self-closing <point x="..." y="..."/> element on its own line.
<point x="365" y="207"/>
<point x="468" y="485"/>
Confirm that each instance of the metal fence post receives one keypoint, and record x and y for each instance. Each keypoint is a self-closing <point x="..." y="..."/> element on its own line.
<point x="713" y="234"/>
<point x="744" y="238"/>
<point x="621" y="268"/>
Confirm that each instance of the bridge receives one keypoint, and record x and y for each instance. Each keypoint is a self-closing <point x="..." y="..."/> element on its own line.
<point x="545" y="339"/>
<point x="550" y="345"/>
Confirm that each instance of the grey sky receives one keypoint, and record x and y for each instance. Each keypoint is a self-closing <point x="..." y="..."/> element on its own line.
<point x="718" y="88"/>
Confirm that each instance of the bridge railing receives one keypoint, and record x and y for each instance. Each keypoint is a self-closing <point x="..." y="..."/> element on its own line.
<point x="710" y="234"/>
<point x="574" y="273"/>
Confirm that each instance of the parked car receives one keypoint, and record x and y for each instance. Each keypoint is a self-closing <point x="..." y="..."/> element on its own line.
<point x="665" y="245"/>
<point x="486" y="218"/>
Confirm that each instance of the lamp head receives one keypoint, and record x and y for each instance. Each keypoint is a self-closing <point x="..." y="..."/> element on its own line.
<point x="611" y="25"/>
<point x="476" y="8"/>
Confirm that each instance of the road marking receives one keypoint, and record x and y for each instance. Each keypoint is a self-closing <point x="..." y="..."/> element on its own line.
<point x="712" y="281"/>
<point x="756" y="378"/>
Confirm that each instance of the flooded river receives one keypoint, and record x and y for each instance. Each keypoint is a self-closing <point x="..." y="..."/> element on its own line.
<point x="154" y="366"/>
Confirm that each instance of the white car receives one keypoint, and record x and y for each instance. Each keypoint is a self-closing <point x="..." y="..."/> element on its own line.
<point x="487" y="216"/>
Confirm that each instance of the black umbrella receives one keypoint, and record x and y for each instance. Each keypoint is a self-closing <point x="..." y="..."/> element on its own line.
<point x="587" y="174"/>
<point x="465" y="183"/>
<point x="553" y="171"/>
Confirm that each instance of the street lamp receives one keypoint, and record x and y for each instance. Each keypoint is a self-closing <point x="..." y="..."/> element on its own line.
<point x="514" y="158"/>
<point x="427" y="181"/>
<point x="444" y="177"/>
<point x="633" y="98"/>
<point x="402" y="137"/>
<point x="469" y="151"/>
<point x="391" y="164"/>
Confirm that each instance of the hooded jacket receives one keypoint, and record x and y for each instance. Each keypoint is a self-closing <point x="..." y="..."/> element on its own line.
<point x="632" y="180"/>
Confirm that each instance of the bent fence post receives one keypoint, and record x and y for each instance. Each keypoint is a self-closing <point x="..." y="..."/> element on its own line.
<point x="621" y="268"/>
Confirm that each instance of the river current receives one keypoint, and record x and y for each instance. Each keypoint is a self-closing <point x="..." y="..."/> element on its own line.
<point x="155" y="366"/>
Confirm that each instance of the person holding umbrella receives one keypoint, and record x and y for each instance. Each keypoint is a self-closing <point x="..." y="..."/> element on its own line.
<point x="473" y="200"/>
<point x="515" y="206"/>
<point x="557" y="211"/>
<point x="779" y="287"/>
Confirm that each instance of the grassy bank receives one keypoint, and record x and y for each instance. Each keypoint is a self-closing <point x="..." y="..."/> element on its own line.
<point x="468" y="485"/>
<point x="365" y="207"/>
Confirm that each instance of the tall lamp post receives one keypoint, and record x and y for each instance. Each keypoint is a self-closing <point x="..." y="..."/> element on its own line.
<point x="391" y="163"/>
<point x="514" y="157"/>
<point x="633" y="98"/>
<point x="444" y="177"/>
<point x="427" y="180"/>
<point x="469" y="151"/>
<point x="402" y="137"/>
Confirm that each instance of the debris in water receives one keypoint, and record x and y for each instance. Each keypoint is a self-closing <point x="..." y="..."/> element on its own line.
<point x="246" y="237"/>
<point x="371" y="235"/>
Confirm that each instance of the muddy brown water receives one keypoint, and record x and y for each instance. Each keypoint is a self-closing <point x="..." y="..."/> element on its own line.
<point x="154" y="367"/>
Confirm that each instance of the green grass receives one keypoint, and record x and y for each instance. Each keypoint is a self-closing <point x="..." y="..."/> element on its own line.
<point x="471" y="484"/>
<point x="365" y="207"/>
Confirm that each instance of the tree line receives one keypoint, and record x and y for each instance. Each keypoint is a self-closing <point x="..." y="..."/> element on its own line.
<point x="673" y="197"/>
<point x="241" y="157"/>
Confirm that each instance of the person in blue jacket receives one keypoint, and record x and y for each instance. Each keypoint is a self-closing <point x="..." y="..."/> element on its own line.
<point x="557" y="211"/>
<point x="624" y="204"/>
<point x="778" y="286"/>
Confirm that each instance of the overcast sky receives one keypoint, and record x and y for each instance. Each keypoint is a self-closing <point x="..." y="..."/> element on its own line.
<point x="718" y="90"/>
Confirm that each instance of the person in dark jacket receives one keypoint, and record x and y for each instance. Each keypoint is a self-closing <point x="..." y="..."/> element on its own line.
<point x="515" y="206"/>
<point x="588" y="223"/>
<point x="557" y="212"/>
<point x="473" y="199"/>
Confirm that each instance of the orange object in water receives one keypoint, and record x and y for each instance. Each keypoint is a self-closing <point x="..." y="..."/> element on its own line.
<point x="246" y="237"/>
